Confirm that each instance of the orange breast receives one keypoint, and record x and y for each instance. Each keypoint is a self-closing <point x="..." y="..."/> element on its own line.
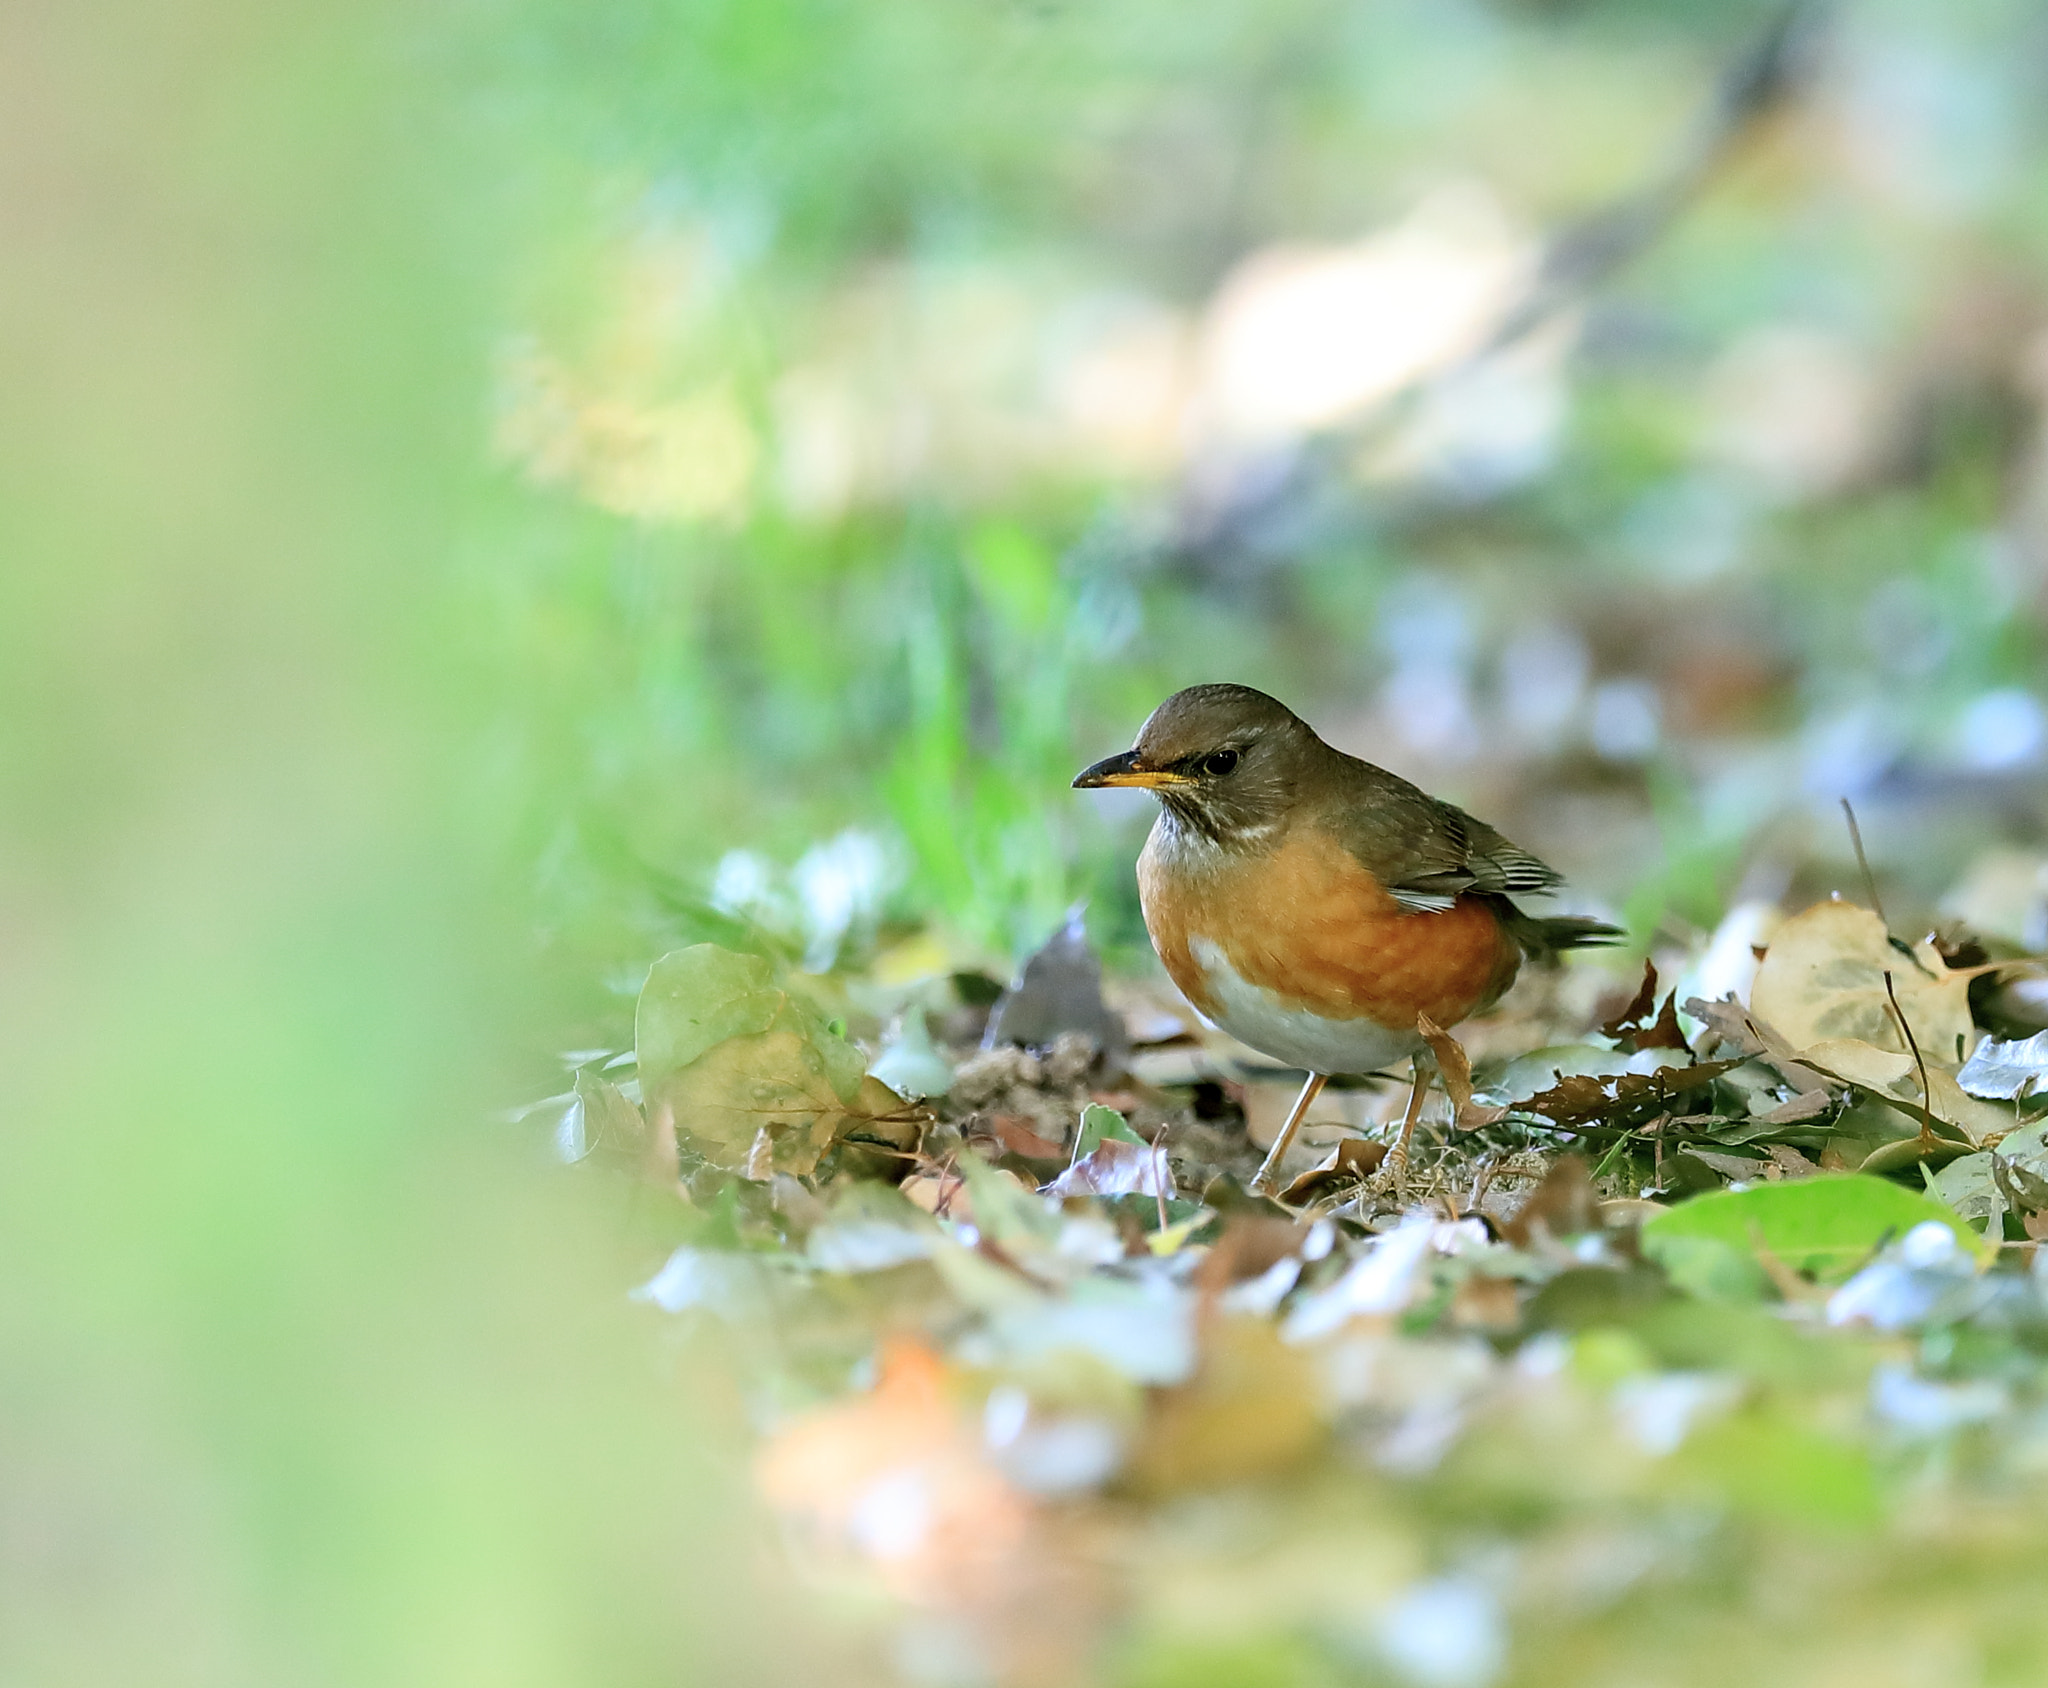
<point x="1310" y="922"/>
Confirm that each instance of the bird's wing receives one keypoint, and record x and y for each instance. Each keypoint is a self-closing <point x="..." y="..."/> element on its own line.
<point x="1428" y="854"/>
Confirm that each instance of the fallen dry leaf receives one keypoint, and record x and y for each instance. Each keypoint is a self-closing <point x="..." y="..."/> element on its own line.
<point x="1454" y="1067"/>
<point x="1251" y="1407"/>
<point x="2006" y="1070"/>
<point x="751" y="1073"/>
<point x="1059" y="990"/>
<point x="1728" y="1026"/>
<point x="1250" y="1245"/>
<point x="1823" y="978"/>
<point x="1641" y="1025"/>
<point x="766" y="1104"/>
<point x="1012" y="1135"/>
<point x="1894" y="1079"/>
<point x="1116" y="1168"/>
<point x="1791" y="1162"/>
<point x="1808" y="1104"/>
<point x="1351" y="1162"/>
<point x="946" y="1193"/>
<point x="1639" y="1008"/>
<point x="1621" y="1098"/>
<point x="1562" y="1205"/>
<point x="1486" y="1304"/>
<point x="1731" y="1166"/>
<point x="894" y="1477"/>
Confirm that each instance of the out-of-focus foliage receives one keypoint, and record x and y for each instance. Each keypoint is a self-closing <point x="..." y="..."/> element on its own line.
<point x="668" y="471"/>
<point x="307" y="1375"/>
<point x="1129" y="1427"/>
<point x="913" y="394"/>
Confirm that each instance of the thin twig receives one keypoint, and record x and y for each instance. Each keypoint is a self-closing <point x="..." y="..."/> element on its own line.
<point x="1913" y="1043"/>
<point x="1863" y="862"/>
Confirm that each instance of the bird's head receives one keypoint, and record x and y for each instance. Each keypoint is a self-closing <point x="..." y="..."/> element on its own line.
<point x="1225" y="760"/>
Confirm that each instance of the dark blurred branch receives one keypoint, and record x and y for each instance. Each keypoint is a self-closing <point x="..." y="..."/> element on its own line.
<point x="1271" y="501"/>
<point x="1768" y="75"/>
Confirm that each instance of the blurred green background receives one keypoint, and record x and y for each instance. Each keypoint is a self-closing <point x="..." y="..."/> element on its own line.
<point x="899" y="401"/>
<point x="495" y="491"/>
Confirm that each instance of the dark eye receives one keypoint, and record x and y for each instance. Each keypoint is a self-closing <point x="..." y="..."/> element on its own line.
<point x="1218" y="763"/>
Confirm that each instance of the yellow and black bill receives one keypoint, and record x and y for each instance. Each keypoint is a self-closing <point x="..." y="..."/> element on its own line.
<point x="1127" y="768"/>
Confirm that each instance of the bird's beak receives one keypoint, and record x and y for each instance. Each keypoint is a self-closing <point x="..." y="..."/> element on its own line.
<point x="1127" y="769"/>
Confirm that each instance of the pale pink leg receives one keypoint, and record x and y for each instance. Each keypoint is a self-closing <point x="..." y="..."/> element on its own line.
<point x="1267" y="1180"/>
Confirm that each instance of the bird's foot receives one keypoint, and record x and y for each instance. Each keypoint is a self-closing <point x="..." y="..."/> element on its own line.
<point x="1389" y="1181"/>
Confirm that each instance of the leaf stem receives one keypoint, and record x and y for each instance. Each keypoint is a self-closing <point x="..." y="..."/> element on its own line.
<point x="1912" y="1043"/>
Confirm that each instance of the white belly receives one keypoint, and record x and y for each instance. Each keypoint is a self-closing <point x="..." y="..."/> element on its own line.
<point x="1254" y="1015"/>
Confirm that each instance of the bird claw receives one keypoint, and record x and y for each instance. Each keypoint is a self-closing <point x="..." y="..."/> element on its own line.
<point x="1391" y="1179"/>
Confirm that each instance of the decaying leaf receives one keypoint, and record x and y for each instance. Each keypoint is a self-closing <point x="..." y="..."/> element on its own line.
<point x="1454" y="1067"/>
<point x="1732" y="1029"/>
<point x="1808" y="1104"/>
<point x="1622" y="1098"/>
<point x="1791" y="1163"/>
<point x="1641" y="1025"/>
<point x="1562" y="1205"/>
<point x="1640" y="1007"/>
<point x="1350" y="1163"/>
<point x="1059" y="990"/>
<point x="1116" y="1168"/>
<point x="768" y="1104"/>
<point x="1250" y="1408"/>
<point x="1823" y="978"/>
<point x="1728" y="1026"/>
<point x="1730" y="1166"/>
<point x="1010" y="1134"/>
<point x="2007" y="1070"/>
<point x="1252" y="1243"/>
<point x="1894" y="1079"/>
<point x="751" y="1073"/>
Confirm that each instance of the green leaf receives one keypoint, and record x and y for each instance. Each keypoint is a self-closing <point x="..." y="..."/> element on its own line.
<point x="1711" y="1269"/>
<point x="602" y="1119"/>
<point x="1827" y="1226"/>
<point x="1098" y="1122"/>
<point x="1773" y="1468"/>
<point x="695" y="999"/>
<point x="1003" y="1210"/>
<point x="1967" y="1185"/>
<point x="751" y="1073"/>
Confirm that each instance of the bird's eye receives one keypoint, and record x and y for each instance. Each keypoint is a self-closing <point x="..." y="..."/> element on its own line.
<point x="1218" y="763"/>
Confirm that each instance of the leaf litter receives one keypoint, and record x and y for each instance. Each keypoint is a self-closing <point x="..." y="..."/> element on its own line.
<point x="1034" y="1370"/>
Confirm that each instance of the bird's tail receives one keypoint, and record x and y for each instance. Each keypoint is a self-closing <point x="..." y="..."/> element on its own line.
<point x="1544" y="938"/>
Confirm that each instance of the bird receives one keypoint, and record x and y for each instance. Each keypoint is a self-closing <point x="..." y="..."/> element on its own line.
<point x="1320" y="909"/>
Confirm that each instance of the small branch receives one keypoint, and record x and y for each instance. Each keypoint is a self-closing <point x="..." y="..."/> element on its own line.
<point x="1863" y="862"/>
<point x="1913" y="1043"/>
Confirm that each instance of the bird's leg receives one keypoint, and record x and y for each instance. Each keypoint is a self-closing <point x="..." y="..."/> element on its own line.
<point x="1395" y="1167"/>
<point x="1266" y="1181"/>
